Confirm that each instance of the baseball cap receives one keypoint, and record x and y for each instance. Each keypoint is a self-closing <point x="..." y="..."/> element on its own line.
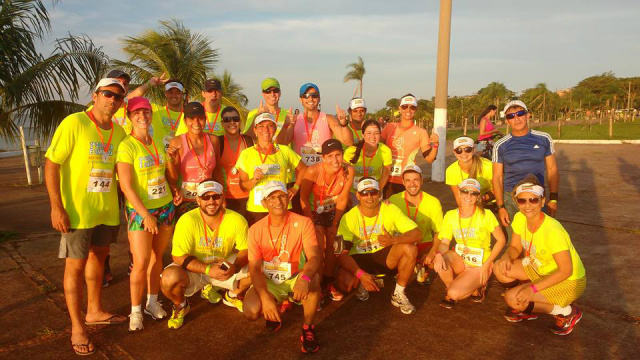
<point x="469" y="182"/>
<point x="138" y="102"/>
<point x="269" y="83"/>
<point x="412" y="167"/>
<point x="265" y="116"/>
<point x="208" y="186"/>
<point x="463" y="140"/>
<point x="212" y="84"/>
<point x="172" y="85"/>
<point x="330" y="145"/>
<point x="194" y="109"/>
<point x="357" y="103"/>
<point x="408" y="100"/>
<point x="115" y="73"/>
<point x="107" y="82"/>
<point x="530" y="188"/>
<point x="513" y="103"/>
<point x="367" y="183"/>
<point x="307" y="86"/>
<point x="273" y="186"/>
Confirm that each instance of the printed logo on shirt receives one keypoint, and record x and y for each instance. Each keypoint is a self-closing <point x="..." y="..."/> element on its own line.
<point x="468" y="233"/>
<point x="536" y="147"/>
<point x="97" y="148"/>
<point x="148" y="161"/>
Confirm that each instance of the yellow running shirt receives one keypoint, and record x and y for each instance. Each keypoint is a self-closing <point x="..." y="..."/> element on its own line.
<point x="375" y="164"/>
<point x="428" y="216"/>
<point x="455" y="175"/>
<point x="477" y="229"/>
<point x="189" y="237"/>
<point x="148" y="179"/>
<point x="278" y="167"/>
<point x="281" y="116"/>
<point x="214" y="120"/>
<point x="549" y="239"/>
<point x="168" y="120"/>
<point x="87" y="179"/>
<point x="389" y="217"/>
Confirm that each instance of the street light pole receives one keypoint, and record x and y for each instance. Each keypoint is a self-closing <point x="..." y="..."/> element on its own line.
<point x="442" y="86"/>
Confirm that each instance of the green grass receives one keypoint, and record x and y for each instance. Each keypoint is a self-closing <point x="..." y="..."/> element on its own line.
<point x="575" y="131"/>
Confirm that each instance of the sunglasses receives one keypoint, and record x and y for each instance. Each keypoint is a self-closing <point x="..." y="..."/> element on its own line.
<point x="460" y="150"/>
<point x="226" y="119"/>
<point x="310" y="95"/>
<point x="366" y="193"/>
<point x="405" y="107"/>
<point x="269" y="91"/>
<point x="532" y="201"/>
<point x="215" y="197"/>
<point x="110" y="94"/>
<point x="473" y="193"/>
<point x="517" y="113"/>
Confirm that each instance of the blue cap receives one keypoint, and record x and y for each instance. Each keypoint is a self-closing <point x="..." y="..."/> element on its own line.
<point x="305" y="87"/>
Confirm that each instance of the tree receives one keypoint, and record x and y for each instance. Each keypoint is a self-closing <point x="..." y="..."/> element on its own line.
<point x="495" y="93"/>
<point x="36" y="90"/>
<point x="173" y="50"/>
<point x="356" y="73"/>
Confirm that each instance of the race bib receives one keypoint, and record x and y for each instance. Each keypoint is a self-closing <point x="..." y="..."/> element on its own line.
<point x="396" y="168"/>
<point x="277" y="272"/>
<point x="166" y="140"/>
<point x="269" y="169"/>
<point x="328" y="205"/>
<point x="189" y="190"/>
<point x="100" y="180"/>
<point x="157" y="188"/>
<point x="258" y="195"/>
<point x="309" y="155"/>
<point x="368" y="246"/>
<point x="470" y="256"/>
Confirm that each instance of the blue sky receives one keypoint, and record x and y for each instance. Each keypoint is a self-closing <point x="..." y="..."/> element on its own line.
<point x="517" y="43"/>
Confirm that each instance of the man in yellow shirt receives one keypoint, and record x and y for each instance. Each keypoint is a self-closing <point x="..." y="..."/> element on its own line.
<point x="203" y="254"/>
<point x="80" y="179"/>
<point x="212" y="95"/>
<point x="379" y="240"/>
<point x="284" y="118"/>
<point x="426" y="211"/>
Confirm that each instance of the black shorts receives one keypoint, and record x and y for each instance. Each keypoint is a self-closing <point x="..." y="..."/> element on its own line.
<point x="324" y="219"/>
<point x="374" y="263"/>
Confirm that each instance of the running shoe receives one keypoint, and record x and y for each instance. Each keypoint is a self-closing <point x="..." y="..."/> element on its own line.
<point x="211" y="294"/>
<point x="177" y="317"/>
<point x="334" y="294"/>
<point x="361" y="293"/>
<point x="447" y="303"/>
<point x="284" y="306"/>
<point x="565" y="324"/>
<point x="515" y="316"/>
<point x="478" y="295"/>
<point x="232" y="301"/>
<point x="155" y="310"/>
<point x="273" y="325"/>
<point x="421" y="274"/>
<point x="308" y="339"/>
<point x="135" y="322"/>
<point x="400" y="300"/>
<point x="323" y="301"/>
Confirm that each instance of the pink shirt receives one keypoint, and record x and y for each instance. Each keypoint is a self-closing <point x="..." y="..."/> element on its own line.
<point x="193" y="170"/>
<point x="308" y="139"/>
<point x="487" y="128"/>
<point x="405" y="145"/>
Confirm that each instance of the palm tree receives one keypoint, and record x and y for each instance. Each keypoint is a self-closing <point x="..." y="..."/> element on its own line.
<point x="173" y="50"/>
<point x="356" y="73"/>
<point x="233" y="93"/>
<point x="36" y="90"/>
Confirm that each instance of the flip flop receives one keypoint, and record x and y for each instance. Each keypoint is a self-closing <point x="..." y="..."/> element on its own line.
<point x="87" y="345"/>
<point x="108" y="321"/>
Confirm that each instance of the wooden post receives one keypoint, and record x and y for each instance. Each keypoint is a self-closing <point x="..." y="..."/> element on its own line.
<point x="39" y="161"/>
<point x="465" y="126"/>
<point x="611" y="124"/>
<point x="26" y="155"/>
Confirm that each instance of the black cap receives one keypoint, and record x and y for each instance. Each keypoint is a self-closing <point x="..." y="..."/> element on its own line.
<point x="115" y="73"/>
<point x="194" y="109"/>
<point x="331" y="145"/>
<point x="212" y="84"/>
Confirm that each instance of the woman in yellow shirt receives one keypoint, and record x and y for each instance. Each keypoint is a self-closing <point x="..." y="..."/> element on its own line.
<point x="552" y="271"/>
<point x="466" y="269"/>
<point x="141" y="166"/>
<point x="469" y="165"/>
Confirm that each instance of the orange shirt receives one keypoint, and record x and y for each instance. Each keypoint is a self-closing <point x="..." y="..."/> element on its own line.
<point x="289" y="237"/>
<point x="228" y="161"/>
<point x="405" y="145"/>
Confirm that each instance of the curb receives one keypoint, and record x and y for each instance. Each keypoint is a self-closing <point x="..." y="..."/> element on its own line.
<point x="597" y="142"/>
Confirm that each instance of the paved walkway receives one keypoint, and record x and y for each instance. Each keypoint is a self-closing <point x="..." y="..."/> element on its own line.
<point x="599" y="193"/>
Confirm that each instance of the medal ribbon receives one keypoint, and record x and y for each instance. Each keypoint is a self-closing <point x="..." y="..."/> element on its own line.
<point x="193" y="150"/>
<point x="464" y="240"/>
<point x="365" y="169"/>
<point x="238" y="149"/>
<point x="260" y="153"/>
<point x="278" y="243"/>
<point x="354" y="131"/>
<point x="313" y="127"/>
<point x="205" y="226"/>
<point x="364" y="225"/>
<point x="324" y="183"/>
<point x="173" y="125"/>
<point x="415" y="215"/>
<point x="156" y="159"/>
<point x="105" y="148"/>
<point x="212" y="126"/>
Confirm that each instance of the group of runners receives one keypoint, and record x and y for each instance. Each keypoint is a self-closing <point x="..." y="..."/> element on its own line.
<point x="299" y="208"/>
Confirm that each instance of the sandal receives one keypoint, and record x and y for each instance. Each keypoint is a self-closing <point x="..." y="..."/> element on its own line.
<point x="112" y="320"/>
<point x="447" y="303"/>
<point x="86" y="346"/>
